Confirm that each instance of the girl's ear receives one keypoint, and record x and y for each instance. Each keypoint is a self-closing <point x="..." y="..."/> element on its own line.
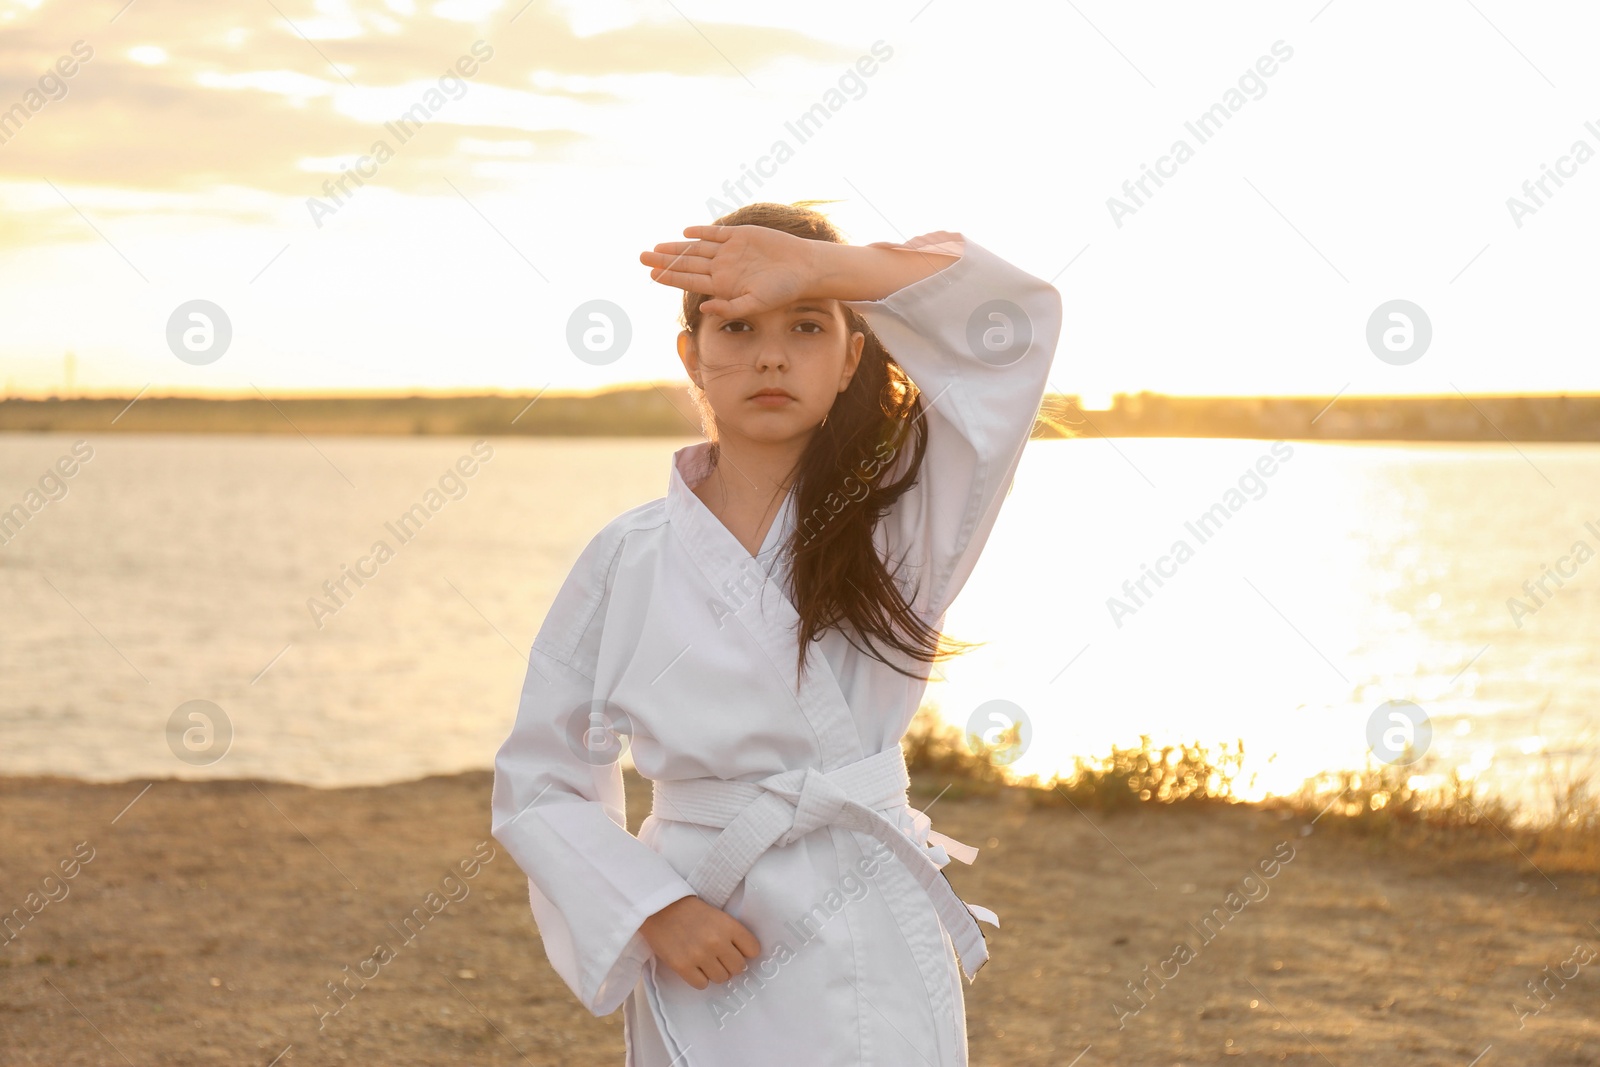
<point x="852" y="358"/>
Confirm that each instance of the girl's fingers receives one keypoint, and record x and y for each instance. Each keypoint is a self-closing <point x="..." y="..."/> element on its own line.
<point x="687" y="264"/>
<point x="738" y="307"/>
<point x="701" y="249"/>
<point x="678" y="262"/>
<point x="694" y="283"/>
<point x="735" y="308"/>
<point x="745" y="941"/>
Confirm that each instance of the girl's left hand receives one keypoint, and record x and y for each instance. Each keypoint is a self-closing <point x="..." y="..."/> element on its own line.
<point x="743" y="269"/>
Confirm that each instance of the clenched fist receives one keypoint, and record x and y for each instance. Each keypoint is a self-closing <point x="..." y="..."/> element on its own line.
<point x="701" y="943"/>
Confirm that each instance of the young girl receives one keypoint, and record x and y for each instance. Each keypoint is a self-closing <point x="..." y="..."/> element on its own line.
<point x="782" y="904"/>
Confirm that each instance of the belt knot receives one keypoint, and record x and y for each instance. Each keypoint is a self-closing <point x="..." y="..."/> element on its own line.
<point x="816" y="798"/>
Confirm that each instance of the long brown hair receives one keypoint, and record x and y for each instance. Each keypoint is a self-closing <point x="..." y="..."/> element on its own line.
<point x="841" y="483"/>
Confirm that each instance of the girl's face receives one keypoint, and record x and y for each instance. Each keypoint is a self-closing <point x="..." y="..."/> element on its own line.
<point x="805" y="349"/>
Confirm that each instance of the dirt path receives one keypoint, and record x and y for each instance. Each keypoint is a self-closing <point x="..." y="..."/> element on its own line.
<point x="209" y="918"/>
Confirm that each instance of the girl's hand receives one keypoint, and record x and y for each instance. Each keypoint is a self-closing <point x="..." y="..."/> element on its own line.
<point x="744" y="269"/>
<point x="701" y="943"/>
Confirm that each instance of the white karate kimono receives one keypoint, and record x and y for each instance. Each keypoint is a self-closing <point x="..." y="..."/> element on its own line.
<point x="669" y="633"/>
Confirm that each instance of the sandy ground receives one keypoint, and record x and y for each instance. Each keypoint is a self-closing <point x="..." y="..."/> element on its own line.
<point x="211" y="916"/>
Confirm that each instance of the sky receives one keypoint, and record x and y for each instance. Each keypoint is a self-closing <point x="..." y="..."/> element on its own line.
<point x="1356" y="154"/>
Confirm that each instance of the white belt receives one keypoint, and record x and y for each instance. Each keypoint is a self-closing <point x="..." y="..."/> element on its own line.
<point x="784" y="807"/>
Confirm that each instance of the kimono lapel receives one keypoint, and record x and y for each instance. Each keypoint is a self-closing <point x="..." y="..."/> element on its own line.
<point x="749" y="589"/>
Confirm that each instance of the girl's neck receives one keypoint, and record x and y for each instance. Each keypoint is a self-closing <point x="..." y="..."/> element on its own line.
<point x="746" y="487"/>
<point x="752" y="474"/>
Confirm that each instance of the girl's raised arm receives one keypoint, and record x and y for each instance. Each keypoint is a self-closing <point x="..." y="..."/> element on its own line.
<point x="977" y="336"/>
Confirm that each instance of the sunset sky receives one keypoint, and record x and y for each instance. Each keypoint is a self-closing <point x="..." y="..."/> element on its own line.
<point x="186" y="155"/>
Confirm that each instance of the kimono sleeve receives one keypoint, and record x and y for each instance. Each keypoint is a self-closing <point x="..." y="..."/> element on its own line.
<point x="562" y="815"/>
<point x="977" y="338"/>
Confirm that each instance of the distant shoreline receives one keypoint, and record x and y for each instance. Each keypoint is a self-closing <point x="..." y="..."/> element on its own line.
<point x="668" y="411"/>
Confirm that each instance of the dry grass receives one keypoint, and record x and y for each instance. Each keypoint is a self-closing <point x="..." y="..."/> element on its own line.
<point x="1415" y="805"/>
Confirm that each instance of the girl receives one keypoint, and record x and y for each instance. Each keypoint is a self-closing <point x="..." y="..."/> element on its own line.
<point x="782" y="903"/>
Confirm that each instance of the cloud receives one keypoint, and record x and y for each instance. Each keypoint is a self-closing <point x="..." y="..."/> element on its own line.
<point x="182" y="99"/>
